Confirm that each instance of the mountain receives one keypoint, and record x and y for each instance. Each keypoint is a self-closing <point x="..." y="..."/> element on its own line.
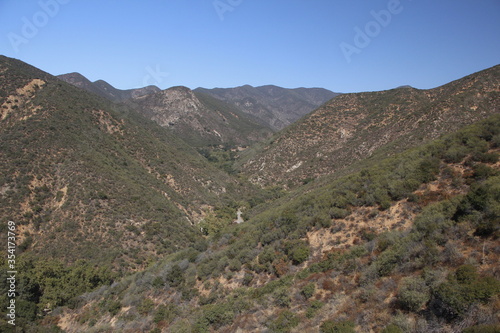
<point x="407" y="244"/>
<point x="104" y="89"/>
<point x="401" y="242"/>
<point x="84" y="178"/>
<point x="274" y="106"/>
<point x="353" y="127"/>
<point x="200" y="119"/>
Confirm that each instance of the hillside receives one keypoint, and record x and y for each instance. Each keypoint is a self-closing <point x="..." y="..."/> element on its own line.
<point x="352" y="127"/>
<point x="104" y="89"/>
<point x="86" y="179"/>
<point x="409" y="244"/>
<point x="273" y="106"/>
<point x="200" y="119"/>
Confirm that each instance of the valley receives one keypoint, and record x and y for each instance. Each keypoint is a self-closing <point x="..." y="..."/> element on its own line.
<point x="250" y="209"/>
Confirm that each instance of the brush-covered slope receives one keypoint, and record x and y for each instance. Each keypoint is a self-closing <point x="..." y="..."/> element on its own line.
<point x="104" y="89"/>
<point x="352" y="126"/>
<point x="273" y="106"/>
<point x="84" y="178"/>
<point x="408" y="244"/>
<point x="200" y="119"/>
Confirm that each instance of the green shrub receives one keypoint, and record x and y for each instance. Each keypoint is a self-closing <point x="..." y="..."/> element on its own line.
<point x="299" y="254"/>
<point x="482" y="171"/>
<point x="486" y="157"/>
<point x="454" y="297"/>
<point x="217" y="315"/>
<point x="146" y="306"/>
<point x="455" y="154"/>
<point x="466" y="274"/>
<point x="495" y="141"/>
<point x="338" y="213"/>
<point x="166" y="313"/>
<point x="285" y="322"/>
<point x="413" y="293"/>
<point x="308" y="290"/>
<point x="313" y="308"/>
<point x="175" y="277"/>
<point x="282" y="297"/>
<point x="330" y="326"/>
<point x="234" y="265"/>
<point x="113" y="307"/>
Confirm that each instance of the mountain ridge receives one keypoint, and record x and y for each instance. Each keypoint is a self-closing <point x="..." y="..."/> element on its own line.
<point x="104" y="89"/>
<point x="353" y="126"/>
<point x="276" y="106"/>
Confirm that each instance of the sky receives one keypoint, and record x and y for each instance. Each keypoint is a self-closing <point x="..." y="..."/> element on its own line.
<point x="341" y="45"/>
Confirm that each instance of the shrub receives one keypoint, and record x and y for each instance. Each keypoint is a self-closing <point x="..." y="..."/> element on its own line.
<point x="413" y="293"/>
<point x="114" y="307"/>
<point x="321" y="220"/>
<point x="482" y="171"/>
<point x="297" y="251"/>
<point x="338" y="213"/>
<point x="166" y="313"/>
<point x="486" y="157"/>
<point x="175" y="277"/>
<point x="299" y="254"/>
<point x="217" y="315"/>
<point x="234" y="265"/>
<point x="308" y="290"/>
<point x="146" y="306"/>
<point x="314" y="307"/>
<point x="454" y="297"/>
<point x="455" y="154"/>
<point x="282" y="297"/>
<point x="285" y="322"/>
<point x="330" y="326"/>
<point x="247" y="278"/>
<point x="466" y="274"/>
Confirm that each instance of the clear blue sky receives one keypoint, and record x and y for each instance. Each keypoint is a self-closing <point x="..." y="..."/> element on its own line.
<point x="335" y="44"/>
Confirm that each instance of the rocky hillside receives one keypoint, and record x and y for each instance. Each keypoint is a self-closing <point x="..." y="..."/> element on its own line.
<point x="274" y="106"/>
<point x="199" y="119"/>
<point x="104" y="89"/>
<point x="352" y="127"/>
<point x="84" y="178"/>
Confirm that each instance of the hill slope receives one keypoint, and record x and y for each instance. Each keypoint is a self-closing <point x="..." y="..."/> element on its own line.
<point x="352" y="126"/>
<point x="408" y="244"/>
<point x="85" y="178"/>
<point x="274" y="106"/>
